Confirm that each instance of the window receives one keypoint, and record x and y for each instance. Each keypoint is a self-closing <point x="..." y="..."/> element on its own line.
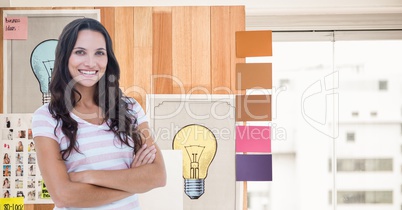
<point x="355" y="114"/>
<point x="360" y="165"/>
<point x="383" y="85"/>
<point x="284" y="82"/>
<point x="364" y="197"/>
<point x="362" y="73"/>
<point x="401" y="128"/>
<point x="350" y="137"/>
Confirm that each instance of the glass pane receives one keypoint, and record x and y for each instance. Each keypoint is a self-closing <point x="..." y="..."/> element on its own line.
<point x="370" y="79"/>
<point x="354" y="105"/>
<point x="303" y="128"/>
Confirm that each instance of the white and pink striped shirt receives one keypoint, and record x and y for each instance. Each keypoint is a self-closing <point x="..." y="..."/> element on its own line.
<point x="99" y="147"/>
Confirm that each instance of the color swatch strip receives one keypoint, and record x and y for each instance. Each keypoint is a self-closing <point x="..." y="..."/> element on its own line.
<point x="253" y="108"/>
<point x="253" y="76"/>
<point x="253" y="139"/>
<point x="253" y="167"/>
<point x="253" y="43"/>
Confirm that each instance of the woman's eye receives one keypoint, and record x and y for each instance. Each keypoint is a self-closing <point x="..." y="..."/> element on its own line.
<point x="79" y="52"/>
<point x="100" y="53"/>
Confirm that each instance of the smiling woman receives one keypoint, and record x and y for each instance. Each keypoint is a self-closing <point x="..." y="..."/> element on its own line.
<point x="93" y="144"/>
<point x="88" y="60"/>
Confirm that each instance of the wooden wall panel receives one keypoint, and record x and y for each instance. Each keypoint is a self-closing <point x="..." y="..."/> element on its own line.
<point x="162" y="50"/>
<point x="201" y="50"/>
<point x="142" y="71"/>
<point x="237" y="23"/>
<point x="107" y="16"/>
<point x="124" y="46"/>
<point x="220" y="46"/>
<point x="142" y="27"/>
<point x="181" y="49"/>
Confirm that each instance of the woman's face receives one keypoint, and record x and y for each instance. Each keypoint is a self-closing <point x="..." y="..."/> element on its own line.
<point x="88" y="60"/>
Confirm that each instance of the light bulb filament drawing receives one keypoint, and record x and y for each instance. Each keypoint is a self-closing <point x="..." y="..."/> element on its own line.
<point x="42" y="64"/>
<point x="49" y="64"/>
<point x="198" y="145"/>
<point x="194" y="152"/>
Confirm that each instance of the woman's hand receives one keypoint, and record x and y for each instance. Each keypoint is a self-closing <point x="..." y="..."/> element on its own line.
<point x="144" y="156"/>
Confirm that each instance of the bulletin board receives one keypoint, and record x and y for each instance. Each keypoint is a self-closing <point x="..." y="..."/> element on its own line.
<point x="22" y="92"/>
<point x="20" y="173"/>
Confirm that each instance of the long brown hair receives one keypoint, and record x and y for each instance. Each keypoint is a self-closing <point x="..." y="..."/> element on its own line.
<point x="108" y="96"/>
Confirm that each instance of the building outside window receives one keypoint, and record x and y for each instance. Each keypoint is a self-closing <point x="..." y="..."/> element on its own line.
<point x="320" y="107"/>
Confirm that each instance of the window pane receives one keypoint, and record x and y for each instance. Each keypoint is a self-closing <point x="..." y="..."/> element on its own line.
<point x="355" y="165"/>
<point x="342" y="92"/>
<point x="302" y="136"/>
<point x="364" y="197"/>
<point x="366" y="168"/>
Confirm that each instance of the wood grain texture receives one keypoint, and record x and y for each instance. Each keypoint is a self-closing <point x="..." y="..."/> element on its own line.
<point x="220" y="48"/>
<point x="142" y="27"/>
<point x="124" y="45"/>
<point x="200" y="50"/>
<point x="181" y="49"/>
<point x="142" y="71"/>
<point x="41" y="207"/>
<point x="162" y="51"/>
<point x="142" y="75"/>
<point x="107" y="16"/>
<point x="237" y="23"/>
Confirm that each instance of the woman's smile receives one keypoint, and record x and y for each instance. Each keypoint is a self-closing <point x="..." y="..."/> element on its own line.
<point x="88" y="60"/>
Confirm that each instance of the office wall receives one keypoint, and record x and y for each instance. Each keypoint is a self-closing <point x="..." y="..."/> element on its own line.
<point x="177" y="50"/>
<point x="168" y="50"/>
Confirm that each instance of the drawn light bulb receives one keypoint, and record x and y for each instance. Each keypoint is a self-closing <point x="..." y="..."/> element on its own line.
<point x="198" y="145"/>
<point x="42" y="63"/>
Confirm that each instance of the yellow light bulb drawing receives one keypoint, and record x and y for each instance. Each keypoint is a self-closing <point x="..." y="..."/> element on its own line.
<point x="198" y="145"/>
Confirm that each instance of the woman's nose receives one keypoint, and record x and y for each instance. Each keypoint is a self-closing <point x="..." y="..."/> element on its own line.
<point x="90" y="62"/>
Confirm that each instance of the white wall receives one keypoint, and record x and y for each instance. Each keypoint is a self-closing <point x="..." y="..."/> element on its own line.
<point x="252" y="5"/>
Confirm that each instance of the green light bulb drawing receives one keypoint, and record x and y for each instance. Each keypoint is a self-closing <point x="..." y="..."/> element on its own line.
<point x="198" y="145"/>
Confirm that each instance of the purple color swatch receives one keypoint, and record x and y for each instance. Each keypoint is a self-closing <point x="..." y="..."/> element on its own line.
<point x="253" y="167"/>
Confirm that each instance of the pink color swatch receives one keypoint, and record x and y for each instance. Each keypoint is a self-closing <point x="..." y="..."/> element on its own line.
<point x="253" y="139"/>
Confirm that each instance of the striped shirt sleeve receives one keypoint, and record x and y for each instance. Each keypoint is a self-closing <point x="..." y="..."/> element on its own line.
<point x="138" y="111"/>
<point x="43" y="123"/>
